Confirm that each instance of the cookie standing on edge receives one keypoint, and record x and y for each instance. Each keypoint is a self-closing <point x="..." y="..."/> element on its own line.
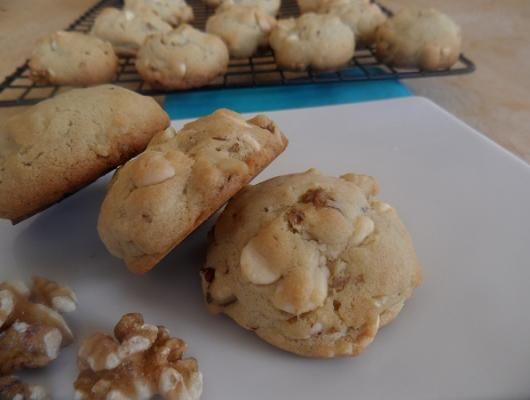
<point x="126" y="30"/>
<point x="182" y="59"/>
<point x="72" y="58"/>
<point x="242" y="28"/>
<point x="314" y="265"/>
<point x="174" y="12"/>
<point x="156" y="200"/>
<point x="62" y="144"/>
<point x="320" y="41"/>
<point x="423" y="38"/>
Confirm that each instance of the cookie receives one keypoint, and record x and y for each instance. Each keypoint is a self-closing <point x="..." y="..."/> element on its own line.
<point x="174" y="12"/>
<point x="320" y="41"/>
<point x="60" y="145"/>
<point x="156" y="200"/>
<point x="363" y="17"/>
<point x="271" y="7"/>
<point x="126" y="30"/>
<point x="423" y="38"/>
<point x="242" y="28"/>
<point x="72" y="58"/>
<point x="314" y="265"/>
<point x="182" y="59"/>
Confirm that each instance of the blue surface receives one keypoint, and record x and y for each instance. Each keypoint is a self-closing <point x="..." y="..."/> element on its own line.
<point x="198" y="103"/>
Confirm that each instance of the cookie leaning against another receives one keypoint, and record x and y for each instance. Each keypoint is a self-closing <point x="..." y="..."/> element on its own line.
<point x="156" y="200"/>
<point x="423" y="38"/>
<point x="72" y="58"/>
<point x="60" y="145"/>
<point x="181" y="59"/>
<point x="314" y="265"/>
<point x="242" y="28"/>
<point x="320" y="41"/>
<point x="126" y="30"/>
<point x="174" y="12"/>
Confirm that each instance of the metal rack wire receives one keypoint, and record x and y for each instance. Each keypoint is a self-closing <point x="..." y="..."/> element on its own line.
<point x="259" y="70"/>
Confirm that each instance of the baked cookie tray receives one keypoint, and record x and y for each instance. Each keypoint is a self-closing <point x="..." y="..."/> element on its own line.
<point x="258" y="71"/>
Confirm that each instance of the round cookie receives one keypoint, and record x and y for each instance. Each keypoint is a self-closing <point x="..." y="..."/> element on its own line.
<point x="174" y="12"/>
<point x="271" y="7"/>
<point x="363" y="17"/>
<point x="314" y="265"/>
<point x="423" y="38"/>
<point x="314" y="40"/>
<point x="126" y="30"/>
<point x="72" y="58"/>
<point x="242" y="28"/>
<point x="181" y="59"/>
<point x="157" y="199"/>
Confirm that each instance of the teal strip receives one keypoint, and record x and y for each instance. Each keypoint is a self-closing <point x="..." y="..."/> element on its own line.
<point x="199" y="103"/>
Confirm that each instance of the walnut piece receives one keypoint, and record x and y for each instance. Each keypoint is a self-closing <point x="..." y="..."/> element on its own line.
<point x="31" y="329"/>
<point x="12" y="388"/>
<point x="142" y="362"/>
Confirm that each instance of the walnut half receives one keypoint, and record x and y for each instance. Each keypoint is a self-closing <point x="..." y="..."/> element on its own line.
<point x="141" y="362"/>
<point x="31" y="329"/>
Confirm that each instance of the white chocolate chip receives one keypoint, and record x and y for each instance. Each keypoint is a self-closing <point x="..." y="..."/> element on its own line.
<point x="364" y="227"/>
<point x="182" y="69"/>
<point x="233" y="166"/>
<point x="129" y="15"/>
<point x="251" y="141"/>
<point x="152" y="168"/>
<point x="293" y="37"/>
<point x="255" y="267"/>
<point x="369" y="333"/>
<point x="316" y="328"/>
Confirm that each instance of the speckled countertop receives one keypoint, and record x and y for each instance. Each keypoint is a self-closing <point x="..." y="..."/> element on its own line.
<point x="495" y="99"/>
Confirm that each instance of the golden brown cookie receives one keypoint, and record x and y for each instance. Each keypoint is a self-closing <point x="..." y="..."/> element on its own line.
<point x="60" y="145"/>
<point x="314" y="265"/>
<point x="174" y="12"/>
<point x="182" y="59"/>
<point x="156" y="200"/>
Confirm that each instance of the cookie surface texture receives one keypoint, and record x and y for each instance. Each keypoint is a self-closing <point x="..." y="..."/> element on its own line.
<point x="174" y="12"/>
<point x="320" y="41"/>
<point x="423" y="38"/>
<point x="160" y="197"/>
<point x="182" y="59"/>
<point x="314" y="265"/>
<point x="127" y="30"/>
<point x="242" y="28"/>
<point x="72" y="58"/>
<point x="58" y="146"/>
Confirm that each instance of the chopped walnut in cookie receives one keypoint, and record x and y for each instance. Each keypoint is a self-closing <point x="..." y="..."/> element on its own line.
<point x="31" y="329"/>
<point x="142" y="361"/>
<point x="12" y="388"/>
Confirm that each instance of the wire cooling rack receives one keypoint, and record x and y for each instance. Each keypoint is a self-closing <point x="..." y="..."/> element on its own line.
<point x="259" y="70"/>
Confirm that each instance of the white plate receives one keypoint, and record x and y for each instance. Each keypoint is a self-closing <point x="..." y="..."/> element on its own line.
<point x="464" y="335"/>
